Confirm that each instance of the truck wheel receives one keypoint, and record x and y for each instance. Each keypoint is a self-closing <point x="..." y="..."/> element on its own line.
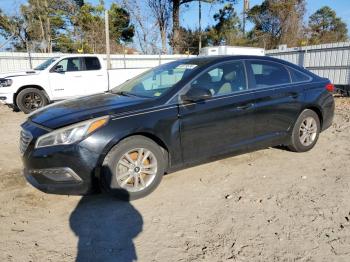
<point x="133" y="168"/>
<point x="305" y="132"/>
<point x="31" y="99"/>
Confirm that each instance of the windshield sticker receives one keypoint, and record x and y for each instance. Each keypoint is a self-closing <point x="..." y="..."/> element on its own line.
<point x="186" y="66"/>
<point x="157" y="94"/>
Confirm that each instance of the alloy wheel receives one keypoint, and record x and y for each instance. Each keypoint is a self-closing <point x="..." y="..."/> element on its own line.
<point x="308" y="131"/>
<point x="136" y="169"/>
<point x="32" y="101"/>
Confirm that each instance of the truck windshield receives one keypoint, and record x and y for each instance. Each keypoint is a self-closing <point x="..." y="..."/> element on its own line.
<point x="44" y="65"/>
<point x="156" y="81"/>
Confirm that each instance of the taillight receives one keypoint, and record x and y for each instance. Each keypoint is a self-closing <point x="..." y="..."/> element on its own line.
<point x="330" y="87"/>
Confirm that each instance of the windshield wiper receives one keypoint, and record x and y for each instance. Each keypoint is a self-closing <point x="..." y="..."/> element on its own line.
<point x="122" y="93"/>
<point x="125" y="93"/>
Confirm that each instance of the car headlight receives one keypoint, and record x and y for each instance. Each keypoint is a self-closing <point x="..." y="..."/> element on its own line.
<point x="71" y="134"/>
<point x="5" y="82"/>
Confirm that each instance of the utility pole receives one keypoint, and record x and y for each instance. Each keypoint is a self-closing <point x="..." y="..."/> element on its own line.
<point x="108" y="51"/>
<point x="245" y="9"/>
<point x="200" y="24"/>
<point x="29" y="54"/>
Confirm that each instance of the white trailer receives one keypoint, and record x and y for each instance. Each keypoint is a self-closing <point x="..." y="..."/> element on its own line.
<point x="231" y="50"/>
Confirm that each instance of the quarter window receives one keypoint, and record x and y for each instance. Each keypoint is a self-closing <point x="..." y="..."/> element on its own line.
<point x="269" y="74"/>
<point x="298" y="76"/>
<point x="224" y="79"/>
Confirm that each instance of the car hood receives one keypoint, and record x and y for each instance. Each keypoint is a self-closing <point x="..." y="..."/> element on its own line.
<point x="19" y="73"/>
<point x="75" y="110"/>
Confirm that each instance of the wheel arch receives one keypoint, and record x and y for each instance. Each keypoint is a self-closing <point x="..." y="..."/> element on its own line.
<point x="314" y="108"/>
<point x="148" y="135"/>
<point x="29" y="86"/>
<point x="153" y="137"/>
<point x="318" y="111"/>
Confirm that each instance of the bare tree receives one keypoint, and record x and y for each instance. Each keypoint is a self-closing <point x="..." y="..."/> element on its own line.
<point x="146" y="36"/>
<point x="161" y="10"/>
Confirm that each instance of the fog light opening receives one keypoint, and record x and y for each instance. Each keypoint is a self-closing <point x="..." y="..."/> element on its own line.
<point x="57" y="174"/>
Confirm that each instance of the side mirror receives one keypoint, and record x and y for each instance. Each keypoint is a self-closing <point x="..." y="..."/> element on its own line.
<point x="59" y="69"/>
<point x="196" y="94"/>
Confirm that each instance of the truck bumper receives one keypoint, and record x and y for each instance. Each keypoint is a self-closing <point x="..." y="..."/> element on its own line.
<point x="6" y="98"/>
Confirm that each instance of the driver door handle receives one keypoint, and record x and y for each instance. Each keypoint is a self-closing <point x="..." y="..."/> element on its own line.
<point x="293" y="95"/>
<point x="245" y="106"/>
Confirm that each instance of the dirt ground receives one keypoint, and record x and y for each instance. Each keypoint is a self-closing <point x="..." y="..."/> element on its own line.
<point x="270" y="205"/>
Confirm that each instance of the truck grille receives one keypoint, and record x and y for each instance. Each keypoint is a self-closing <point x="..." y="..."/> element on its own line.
<point x="25" y="139"/>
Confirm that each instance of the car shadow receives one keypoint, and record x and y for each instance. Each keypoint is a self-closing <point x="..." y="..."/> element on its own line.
<point x="106" y="228"/>
<point x="282" y="147"/>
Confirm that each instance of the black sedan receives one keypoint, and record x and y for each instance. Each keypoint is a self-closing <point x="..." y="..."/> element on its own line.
<point x="178" y="114"/>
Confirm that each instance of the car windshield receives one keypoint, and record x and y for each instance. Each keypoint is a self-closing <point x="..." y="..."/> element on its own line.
<point x="157" y="81"/>
<point x="44" y="65"/>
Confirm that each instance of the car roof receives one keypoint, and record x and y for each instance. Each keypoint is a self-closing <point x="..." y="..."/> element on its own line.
<point x="219" y="58"/>
<point x="204" y="61"/>
<point x="77" y="55"/>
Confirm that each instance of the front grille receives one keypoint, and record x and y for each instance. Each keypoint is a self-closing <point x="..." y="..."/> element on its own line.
<point x="25" y="139"/>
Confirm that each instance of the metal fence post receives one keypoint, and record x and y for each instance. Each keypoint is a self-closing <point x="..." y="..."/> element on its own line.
<point x="305" y="55"/>
<point x="124" y="56"/>
<point x="108" y="52"/>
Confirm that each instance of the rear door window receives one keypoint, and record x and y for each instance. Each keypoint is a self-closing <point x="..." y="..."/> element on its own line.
<point x="268" y="74"/>
<point x="92" y="63"/>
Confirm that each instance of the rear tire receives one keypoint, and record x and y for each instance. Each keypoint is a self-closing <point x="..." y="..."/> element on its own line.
<point x="133" y="168"/>
<point x="31" y="99"/>
<point x="305" y="131"/>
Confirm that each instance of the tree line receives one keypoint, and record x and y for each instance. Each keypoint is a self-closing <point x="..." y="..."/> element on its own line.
<point x="153" y="26"/>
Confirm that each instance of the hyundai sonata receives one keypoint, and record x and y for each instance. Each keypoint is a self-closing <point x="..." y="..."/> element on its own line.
<point x="179" y="114"/>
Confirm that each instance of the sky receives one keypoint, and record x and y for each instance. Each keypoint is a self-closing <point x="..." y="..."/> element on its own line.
<point x="189" y="15"/>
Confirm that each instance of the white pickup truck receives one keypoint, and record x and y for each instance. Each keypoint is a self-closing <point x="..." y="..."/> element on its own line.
<point x="59" y="78"/>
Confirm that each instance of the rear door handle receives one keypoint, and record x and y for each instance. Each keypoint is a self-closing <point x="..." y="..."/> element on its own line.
<point x="294" y="95"/>
<point x="78" y="76"/>
<point x="245" y="106"/>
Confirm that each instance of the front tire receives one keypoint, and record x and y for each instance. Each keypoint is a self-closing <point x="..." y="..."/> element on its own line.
<point x="305" y="132"/>
<point x="31" y="99"/>
<point x="133" y="168"/>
